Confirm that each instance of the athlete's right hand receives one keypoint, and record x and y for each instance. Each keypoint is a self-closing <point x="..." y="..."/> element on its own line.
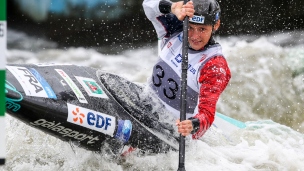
<point x="180" y="10"/>
<point x="185" y="127"/>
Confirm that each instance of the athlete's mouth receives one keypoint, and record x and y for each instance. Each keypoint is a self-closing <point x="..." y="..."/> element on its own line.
<point x="196" y="41"/>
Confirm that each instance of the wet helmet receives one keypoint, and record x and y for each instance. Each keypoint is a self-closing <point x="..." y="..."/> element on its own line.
<point x="206" y="12"/>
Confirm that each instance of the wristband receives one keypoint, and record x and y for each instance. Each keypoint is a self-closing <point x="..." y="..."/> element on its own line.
<point x="195" y="125"/>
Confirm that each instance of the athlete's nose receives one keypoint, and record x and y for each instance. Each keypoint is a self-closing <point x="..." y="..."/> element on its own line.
<point x="194" y="34"/>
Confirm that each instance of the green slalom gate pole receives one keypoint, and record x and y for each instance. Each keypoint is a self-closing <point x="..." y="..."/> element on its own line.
<point x="2" y="78"/>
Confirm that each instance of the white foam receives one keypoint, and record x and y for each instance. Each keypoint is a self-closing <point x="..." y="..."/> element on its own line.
<point x="261" y="90"/>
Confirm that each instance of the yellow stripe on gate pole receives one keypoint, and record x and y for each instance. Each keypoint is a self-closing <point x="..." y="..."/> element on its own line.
<point x="2" y="78"/>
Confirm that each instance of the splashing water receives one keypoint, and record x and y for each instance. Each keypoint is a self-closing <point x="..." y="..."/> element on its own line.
<point x="265" y="92"/>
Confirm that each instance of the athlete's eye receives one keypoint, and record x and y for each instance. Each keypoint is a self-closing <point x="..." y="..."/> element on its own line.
<point x="202" y="29"/>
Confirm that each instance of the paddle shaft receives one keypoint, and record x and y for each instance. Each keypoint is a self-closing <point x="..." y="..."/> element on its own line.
<point x="181" y="164"/>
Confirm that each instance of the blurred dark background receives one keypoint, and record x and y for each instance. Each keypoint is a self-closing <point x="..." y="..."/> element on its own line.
<point x="122" y="22"/>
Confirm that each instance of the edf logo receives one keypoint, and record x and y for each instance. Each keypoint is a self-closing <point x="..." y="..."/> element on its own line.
<point x="98" y="121"/>
<point x="92" y="120"/>
<point x="198" y="19"/>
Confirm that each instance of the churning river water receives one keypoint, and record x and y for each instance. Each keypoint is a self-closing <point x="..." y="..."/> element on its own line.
<point x="266" y="92"/>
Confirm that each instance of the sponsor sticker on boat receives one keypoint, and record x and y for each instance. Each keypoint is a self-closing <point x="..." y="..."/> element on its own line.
<point x="91" y="87"/>
<point x="65" y="132"/>
<point x="72" y="85"/>
<point x="91" y="119"/>
<point x="32" y="82"/>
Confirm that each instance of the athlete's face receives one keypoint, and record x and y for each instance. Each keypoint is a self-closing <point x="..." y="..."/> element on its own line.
<point x="199" y="35"/>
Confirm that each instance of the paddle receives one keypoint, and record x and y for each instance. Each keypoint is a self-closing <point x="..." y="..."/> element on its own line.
<point x="181" y="164"/>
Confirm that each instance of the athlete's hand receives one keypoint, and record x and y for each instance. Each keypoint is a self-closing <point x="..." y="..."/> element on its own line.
<point x="180" y="10"/>
<point x="184" y="127"/>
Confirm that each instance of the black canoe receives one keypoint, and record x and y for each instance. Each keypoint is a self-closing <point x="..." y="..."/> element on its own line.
<point x="87" y="107"/>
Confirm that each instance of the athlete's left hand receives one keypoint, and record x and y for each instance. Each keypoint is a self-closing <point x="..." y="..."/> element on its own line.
<point x="184" y="127"/>
<point x="181" y="10"/>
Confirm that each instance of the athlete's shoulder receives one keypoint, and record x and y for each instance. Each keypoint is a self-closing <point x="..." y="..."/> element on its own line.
<point x="217" y="64"/>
